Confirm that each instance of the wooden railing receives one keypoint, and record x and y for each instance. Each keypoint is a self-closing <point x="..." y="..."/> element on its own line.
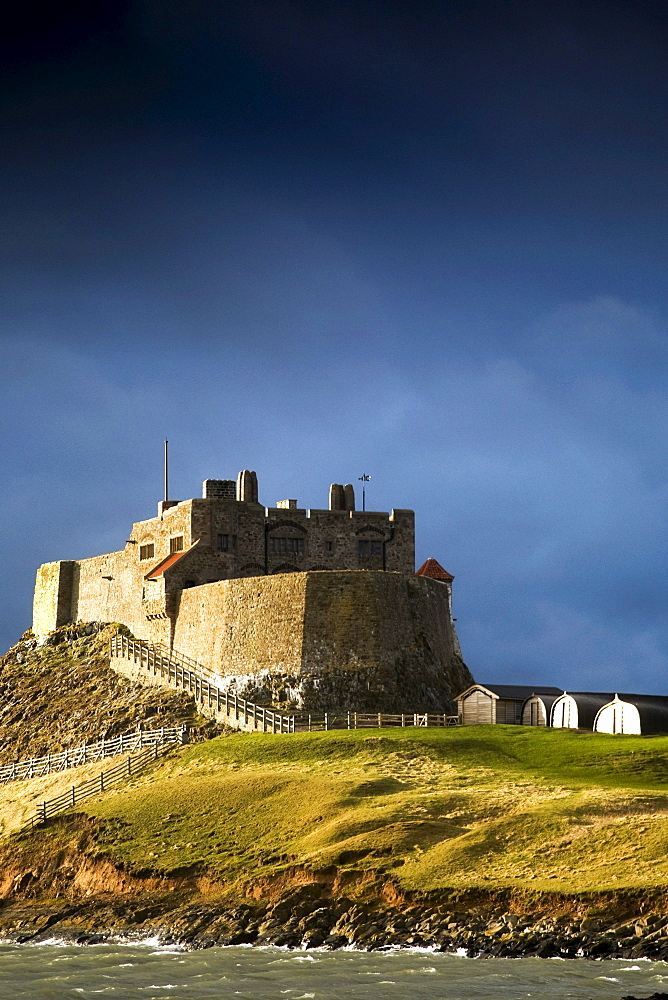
<point x="122" y="771"/>
<point x="196" y="680"/>
<point x="182" y="672"/>
<point x="88" y="753"/>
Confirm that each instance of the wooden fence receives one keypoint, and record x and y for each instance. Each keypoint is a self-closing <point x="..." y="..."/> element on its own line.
<point x="181" y="672"/>
<point x="371" y="720"/>
<point x="122" y="771"/>
<point x="88" y="753"/>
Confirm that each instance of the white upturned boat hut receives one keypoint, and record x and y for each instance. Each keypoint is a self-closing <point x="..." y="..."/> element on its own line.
<point x="537" y="710"/>
<point x="497" y="703"/>
<point x="633" y="714"/>
<point x="577" y="709"/>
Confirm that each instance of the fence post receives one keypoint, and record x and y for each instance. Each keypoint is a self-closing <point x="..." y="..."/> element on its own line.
<point x="101" y="781"/>
<point x="74" y="792"/>
<point x="380" y="720"/>
<point x="326" y="721"/>
<point x="348" y="720"/>
<point x="129" y="767"/>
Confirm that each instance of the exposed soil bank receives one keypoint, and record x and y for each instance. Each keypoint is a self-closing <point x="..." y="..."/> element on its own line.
<point x="56" y="886"/>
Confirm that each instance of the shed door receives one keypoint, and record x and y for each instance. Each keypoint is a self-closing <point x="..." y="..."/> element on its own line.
<point x="565" y="713"/>
<point x="534" y="713"/>
<point x="558" y="713"/>
<point x="477" y="709"/>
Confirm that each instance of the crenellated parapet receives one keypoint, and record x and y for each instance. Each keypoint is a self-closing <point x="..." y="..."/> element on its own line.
<point x="224" y="535"/>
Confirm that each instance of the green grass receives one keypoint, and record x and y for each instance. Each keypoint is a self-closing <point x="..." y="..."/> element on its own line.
<point x="478" y="806"/>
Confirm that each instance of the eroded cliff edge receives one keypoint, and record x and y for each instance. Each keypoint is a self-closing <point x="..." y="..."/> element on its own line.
<point x="58" y="886"/>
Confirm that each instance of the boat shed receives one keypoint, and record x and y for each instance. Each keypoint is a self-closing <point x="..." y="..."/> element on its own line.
<point x="497" y="703"/>
<point x="537" y="710"/>
<point x="637" y="714"/>
<point x="577" y="709"/>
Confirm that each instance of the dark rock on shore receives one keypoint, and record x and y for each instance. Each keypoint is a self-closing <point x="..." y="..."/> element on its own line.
<point x="653" y="996"/>
<point x="305" y="917"/>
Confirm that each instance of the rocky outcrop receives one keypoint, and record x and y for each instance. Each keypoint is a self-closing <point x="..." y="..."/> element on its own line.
<point x="62" y="692"/>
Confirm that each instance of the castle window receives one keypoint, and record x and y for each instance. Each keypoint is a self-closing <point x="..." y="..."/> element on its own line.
<point x="366" y="548"/>
<point x="280" y="546"/>
<point x="329" y="546"/>
<point x="176" y="544"/>
<point x="147" y="551"/>
<point x="227" y="543"/>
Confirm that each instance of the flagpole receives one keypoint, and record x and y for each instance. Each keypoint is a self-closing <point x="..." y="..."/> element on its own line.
<point x="364" y="479"/>
<point x="166" y="472"/>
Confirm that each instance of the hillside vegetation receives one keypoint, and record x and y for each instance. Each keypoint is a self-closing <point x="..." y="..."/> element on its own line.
<point x="425" y="809"/>
<point x="63" y="693"/>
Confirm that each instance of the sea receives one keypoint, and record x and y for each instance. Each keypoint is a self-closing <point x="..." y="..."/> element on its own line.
<point x="54" y="971"/>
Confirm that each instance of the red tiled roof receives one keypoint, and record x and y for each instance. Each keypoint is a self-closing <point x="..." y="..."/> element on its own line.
<point x="165" y="565"/>
<point x="433" y="569"/>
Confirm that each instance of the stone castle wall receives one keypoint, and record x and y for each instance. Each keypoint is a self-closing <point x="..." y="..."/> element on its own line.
<point x="244" y="628"/>
<point x="52" y="602"/>
<point x="328" y="641"/>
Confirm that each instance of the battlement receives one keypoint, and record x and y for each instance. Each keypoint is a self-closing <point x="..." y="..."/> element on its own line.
<point x="226" y="534"/>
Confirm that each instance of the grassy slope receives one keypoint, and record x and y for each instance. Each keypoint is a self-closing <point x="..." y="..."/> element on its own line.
<point x="480" y="806"/>
<point x="19" y="799"/>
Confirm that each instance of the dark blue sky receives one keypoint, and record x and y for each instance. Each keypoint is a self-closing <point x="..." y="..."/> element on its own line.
<point x="426" y="242"/>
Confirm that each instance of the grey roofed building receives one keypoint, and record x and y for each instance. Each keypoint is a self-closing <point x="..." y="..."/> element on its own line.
<point x="498" y="703"/>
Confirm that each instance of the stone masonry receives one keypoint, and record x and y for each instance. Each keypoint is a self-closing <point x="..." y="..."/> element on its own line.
<point x="311" y="608"/>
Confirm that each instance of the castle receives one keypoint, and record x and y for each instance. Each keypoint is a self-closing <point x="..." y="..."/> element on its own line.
<point x="316" y="609"/>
